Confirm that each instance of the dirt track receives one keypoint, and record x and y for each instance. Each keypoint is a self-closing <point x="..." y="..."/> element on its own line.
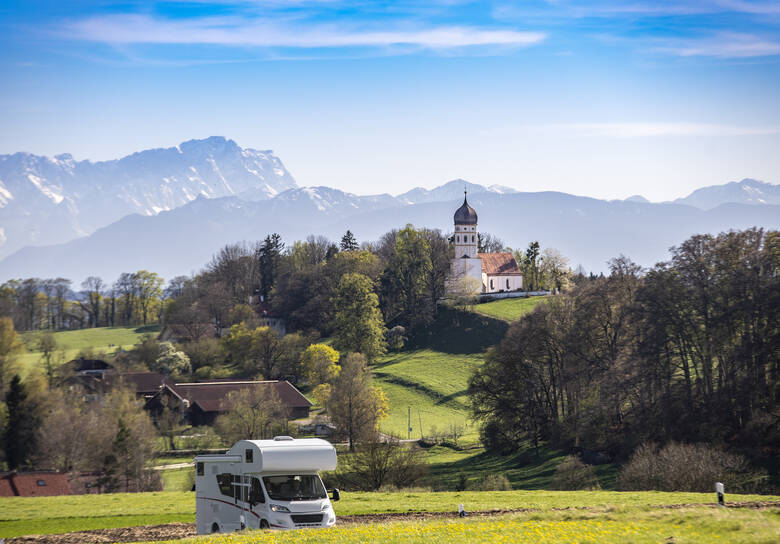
<point x="171" y="531"/>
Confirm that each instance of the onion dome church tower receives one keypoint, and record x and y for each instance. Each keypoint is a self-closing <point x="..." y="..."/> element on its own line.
<point x="479" y="272"/>
<point x="466" y="231"/>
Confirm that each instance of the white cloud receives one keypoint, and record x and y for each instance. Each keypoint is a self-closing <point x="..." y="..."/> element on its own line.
<point x="724" y="45"/>
<point x="142" y="29"/>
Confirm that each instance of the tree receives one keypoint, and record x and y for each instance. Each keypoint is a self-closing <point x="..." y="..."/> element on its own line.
<point x="348" y="242"/>
<point x="47" y="345"/>
<point x="487" y="243"/>
<point x="405" y="293"/>
<point x="10" y="347"/>
<point x="529" y="261"/>
<point x="383" y="461"/>
<point x="251" y="414"/>
<point x="354" y="406"/>
<point x="268" y="261"/>
<point x="170" y="361"/>
<point x="149" y="286"/>
<point x="554" y="269"/>
<point x="22" y="421"/>
<point x="92" y="290"/>
<point x="357" y="321"/>
<point x="319" y="363"/>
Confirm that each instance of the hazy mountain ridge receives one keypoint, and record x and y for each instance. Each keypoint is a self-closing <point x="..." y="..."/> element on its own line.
<point x="46" y="200"/>
<point x="587" y="230"/>
<point x="747" y="191"/>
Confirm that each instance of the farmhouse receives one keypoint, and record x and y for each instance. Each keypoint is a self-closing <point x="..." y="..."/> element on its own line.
<point x="34" y="484"/>
<point x="480" y="272"/>
<point x="202" y="402"/>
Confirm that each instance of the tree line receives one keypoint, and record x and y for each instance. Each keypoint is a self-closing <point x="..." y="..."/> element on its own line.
<point x="686" y="351"/>
<point x="41" y="304"/>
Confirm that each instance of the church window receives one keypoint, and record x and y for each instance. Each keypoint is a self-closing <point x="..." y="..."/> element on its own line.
<point x="507" y="283"/>
<point x="457" y="238"/>
<point x="491" y="284"/>
<point x="472" y="237"/>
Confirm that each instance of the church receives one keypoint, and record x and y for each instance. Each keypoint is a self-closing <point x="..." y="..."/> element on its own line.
<point x="486" y="272"/>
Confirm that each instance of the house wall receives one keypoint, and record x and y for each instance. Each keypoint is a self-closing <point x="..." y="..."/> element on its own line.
<point x="501" y="283"/>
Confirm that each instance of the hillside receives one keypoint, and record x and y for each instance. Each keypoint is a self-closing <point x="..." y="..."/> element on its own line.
<point x="428" y="382"/>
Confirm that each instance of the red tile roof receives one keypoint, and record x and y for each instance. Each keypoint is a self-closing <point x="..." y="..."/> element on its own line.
<point x="34" y="484"/>
<point x="210" y="395"/>
<point x="499" y="264"/>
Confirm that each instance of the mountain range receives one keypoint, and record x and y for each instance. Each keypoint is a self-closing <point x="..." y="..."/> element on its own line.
<point x="169" y="210"/>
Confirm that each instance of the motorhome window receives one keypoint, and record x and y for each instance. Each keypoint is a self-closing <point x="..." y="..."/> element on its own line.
<point x="248" y="455"/>
<point x="256" y="495"/>
<point x="294" y="487"/>
<point x="225" y="482"/>
<point x="200" y="469"/>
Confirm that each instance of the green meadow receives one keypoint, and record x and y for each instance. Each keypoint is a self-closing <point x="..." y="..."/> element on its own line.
<point x="48" y="515"/>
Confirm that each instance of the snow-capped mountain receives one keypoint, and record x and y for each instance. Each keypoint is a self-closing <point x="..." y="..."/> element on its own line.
<point x="46" y="200"/>
<point x="449" y="191"/>
<point x="747" y="191"/>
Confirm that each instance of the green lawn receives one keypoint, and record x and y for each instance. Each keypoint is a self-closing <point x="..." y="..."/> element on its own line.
<point x="99" y="339"/>
<point x="430" y="383"/>
<point x="41" y="515"/>
<point x="508" y="309"/>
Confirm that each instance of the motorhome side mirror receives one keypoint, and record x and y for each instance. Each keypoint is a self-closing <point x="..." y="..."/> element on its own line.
<point x="336" y="495"/>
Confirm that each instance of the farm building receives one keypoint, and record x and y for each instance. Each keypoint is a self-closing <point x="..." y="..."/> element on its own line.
<point x="146" y="385"/>
<point x="202" y="402"/>
<point x="34" y="484"/>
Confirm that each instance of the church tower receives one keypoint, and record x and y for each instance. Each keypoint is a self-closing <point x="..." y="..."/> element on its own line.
<point x="466" y="264"/>
<point x="466" y="238"/>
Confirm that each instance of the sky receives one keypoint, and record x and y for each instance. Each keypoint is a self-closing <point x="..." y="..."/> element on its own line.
<point x="601" y="98"/>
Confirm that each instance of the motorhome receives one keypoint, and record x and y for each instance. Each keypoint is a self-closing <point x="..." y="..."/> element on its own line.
<point x="261" y="484"/>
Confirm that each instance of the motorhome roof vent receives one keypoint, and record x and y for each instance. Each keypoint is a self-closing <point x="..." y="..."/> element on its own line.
<point x="280" y="438"/>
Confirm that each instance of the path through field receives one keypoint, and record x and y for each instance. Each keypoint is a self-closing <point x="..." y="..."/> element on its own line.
<point x="172" y="531"/>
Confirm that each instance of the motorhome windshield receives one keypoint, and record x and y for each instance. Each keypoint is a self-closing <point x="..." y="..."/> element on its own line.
<point x="306" y="487"/>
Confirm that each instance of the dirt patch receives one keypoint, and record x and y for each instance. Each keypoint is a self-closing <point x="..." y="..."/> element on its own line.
<point x="168" y="531"/>
<point x="172" y="531"/>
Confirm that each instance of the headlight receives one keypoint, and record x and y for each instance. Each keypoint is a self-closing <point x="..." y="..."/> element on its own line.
<point x="279" y="508"/>
<point x="325" y="506"/>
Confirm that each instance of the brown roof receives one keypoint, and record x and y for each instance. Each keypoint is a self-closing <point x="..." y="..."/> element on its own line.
<point x="140" y="382"/>
<point x="210" y="395"/>
<point x="34" y="484"/>
<point x="499" y="264"/>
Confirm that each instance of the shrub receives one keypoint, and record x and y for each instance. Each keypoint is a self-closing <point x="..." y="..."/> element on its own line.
<point x="572" y="475"/>
<point x="379" y="463"/>
<point x="687" y="467"/>
<point x="492" y="482"/>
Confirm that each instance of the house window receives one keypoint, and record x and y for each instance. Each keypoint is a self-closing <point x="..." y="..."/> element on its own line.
<point x="248" y="455"/>
<point x="41" y="483"/>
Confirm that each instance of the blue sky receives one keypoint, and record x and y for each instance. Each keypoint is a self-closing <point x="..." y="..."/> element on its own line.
<point x="601" y="98"/>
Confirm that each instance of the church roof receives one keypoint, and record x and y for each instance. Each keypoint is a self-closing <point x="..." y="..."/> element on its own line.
<point x="465" y="215"/>
<point x="499" y="264"/>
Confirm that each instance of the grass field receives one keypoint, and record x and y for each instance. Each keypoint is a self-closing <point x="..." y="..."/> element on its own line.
<point x="46" y="515"/>
<point x="508" y="309"/>
<point x="610" y="527"/>
<point x="99" y="339"/>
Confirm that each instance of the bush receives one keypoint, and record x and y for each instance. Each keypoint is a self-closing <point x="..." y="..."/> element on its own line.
<point x="381" y="463"/>
<point x="572" y="475"/>
<point x="688" y="467"/>
<point x="492" y="482"/>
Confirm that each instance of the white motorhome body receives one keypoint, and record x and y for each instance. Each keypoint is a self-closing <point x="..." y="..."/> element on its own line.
<point x="264" y="483"/>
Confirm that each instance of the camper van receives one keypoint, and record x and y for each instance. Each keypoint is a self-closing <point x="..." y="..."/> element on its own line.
<point x="260" y="484"/>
